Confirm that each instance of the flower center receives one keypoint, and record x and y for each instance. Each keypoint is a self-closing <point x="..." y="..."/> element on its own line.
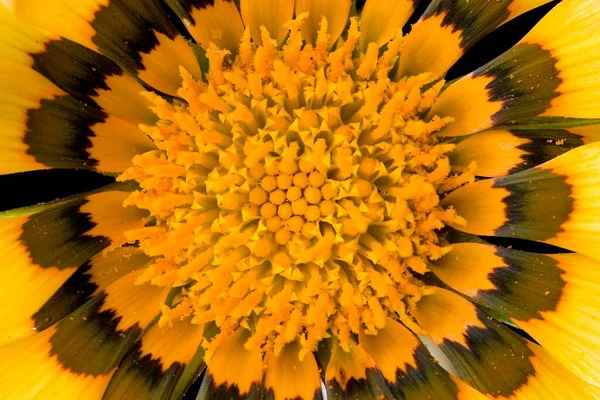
<point x="295" y="193"/>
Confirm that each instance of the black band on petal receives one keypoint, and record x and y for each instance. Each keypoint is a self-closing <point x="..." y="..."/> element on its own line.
<point x="525" y="79"/>
<point x="428" y="379"/>
<point x="535" y="194"/>
<point x="59" y="132"/>
<point x="74" y="68"/>
<point x="526" y="287"/>
<point x="71" y="295"/>
<point x="474" y="18"/>
<point x="127" y="29"/>
<point x="497" y="360"/>
<point x="544" y="146"/>
<point x="141" y="376"/>
<point x="58" y="237"/>
<point x="88" y="341"/>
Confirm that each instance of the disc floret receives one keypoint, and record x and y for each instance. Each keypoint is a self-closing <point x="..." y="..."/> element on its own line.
<point x="295" y="193"/>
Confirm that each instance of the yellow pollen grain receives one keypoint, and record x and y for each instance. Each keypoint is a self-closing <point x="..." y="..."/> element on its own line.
<point x="299" y="206"/>
<point x="268" y="210"/>
<point x="328" y="192"/>
<point x="268" y="183"/>
<point x="284" y="181"/>
<point x="316" y="179"/>
<point x="274" y="223"/>
<point x="301" y="180"/>
<point x="313" y="213"/>
<point x="277" y="197"/>
<point x="312" y="195"/>
<point x="295" y="223"/>
<point x="287" y="163"/>
<point x="294" y="193"/>
<point x="258" y="196"/>
<point x="285" y="211"/>
<point x="282" y="236"/>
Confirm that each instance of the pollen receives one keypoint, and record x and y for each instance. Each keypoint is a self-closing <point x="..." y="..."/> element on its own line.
<point x="294" y="193"/>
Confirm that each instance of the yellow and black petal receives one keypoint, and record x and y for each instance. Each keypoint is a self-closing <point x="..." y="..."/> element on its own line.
<point x="352" y="374"/>
<point x="406" y="365"/>
<point x="234" y="372"/>
<point x="550" y="73"/>
<point x="448" y="28"/>
<point x="381" y="19"/>
<point x="289" y="377"/>
<point x="83" y="349"/>
<point x="138" y="35"/>
<point x="218" y="22"/>
<point x="504" y="152"/>
<point x="46" y="245"/>
<point x="497" y="361"/>
<point x="556" y="203"/>
<point x="551" y="296"/>
<point x="158" y="362"/>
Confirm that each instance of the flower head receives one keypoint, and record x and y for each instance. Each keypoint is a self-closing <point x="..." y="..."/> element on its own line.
<point x="300" y="197"/>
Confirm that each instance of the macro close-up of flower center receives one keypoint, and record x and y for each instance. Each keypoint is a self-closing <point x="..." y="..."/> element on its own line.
<point x="298" y="203"/>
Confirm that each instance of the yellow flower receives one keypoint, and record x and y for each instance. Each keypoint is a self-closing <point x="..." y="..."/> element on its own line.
<point x="300" y="198"/>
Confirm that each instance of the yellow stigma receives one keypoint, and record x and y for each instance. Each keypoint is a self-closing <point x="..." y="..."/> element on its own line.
<point x="294" y="194"/>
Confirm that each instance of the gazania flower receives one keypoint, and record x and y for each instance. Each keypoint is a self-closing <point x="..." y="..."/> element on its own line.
<point x="300" y="199"/>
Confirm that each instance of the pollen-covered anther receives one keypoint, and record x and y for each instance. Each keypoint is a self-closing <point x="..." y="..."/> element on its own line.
<point x="295" y="193"/>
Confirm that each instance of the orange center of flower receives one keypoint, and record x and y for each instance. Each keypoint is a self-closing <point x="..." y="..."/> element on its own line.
<point x="295" y="192"/>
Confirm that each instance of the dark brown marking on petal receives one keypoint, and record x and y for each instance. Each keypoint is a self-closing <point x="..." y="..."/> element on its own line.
<point x="88" y="342"/>
<point x="427" y="380"/>
<point x="525" y="80"/>
<point x="57" y="237"/>
<point x="69" y="297"/>
<point x="125" y="30"/>
<point x="58" y="133"/>
<point x="538" y="204"/>
<point x="143" y="377"/>
<point x="496" y="361"/>
<point x="373" y="387"/>
<point x="228" y="392"/>
<point x="473" y="18"/>
<point x="544" y="146"/>
<point x="74" y="68"/>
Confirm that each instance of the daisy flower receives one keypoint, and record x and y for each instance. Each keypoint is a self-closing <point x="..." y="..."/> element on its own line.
<point x="301" y="205"/>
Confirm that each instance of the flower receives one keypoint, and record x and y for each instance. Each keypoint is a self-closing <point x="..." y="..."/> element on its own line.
<point x="300" y="198"/>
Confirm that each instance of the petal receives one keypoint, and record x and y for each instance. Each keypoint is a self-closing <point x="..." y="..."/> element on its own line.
<point x="406" y="365"/>
<point x="546" y="74"/>
<point x="217" y="22"/>
<point x="31" y="370"/>
<point x="288" y="377"/>
<point x="45" y="127"/>
<point x="557" y="203"/>
<point x="352" y="374"/>
<point x="83" y="349"/>
<point x="89" y="279"/>
<point x="75" y="69"/>
<point x="272" y="14"/>
<point x="137" y="34"/>
<point x="504" y="152"/>
<point x="335" y="11"/>
<point x="47" y="245"/>
<point x="157" y="363"/>
<point x="234" y="372"/>
<point x="553" y="297"/>
<point x="494" y="359"/>
<point x="447" y="29"/>
<point x="381" y="19"/>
